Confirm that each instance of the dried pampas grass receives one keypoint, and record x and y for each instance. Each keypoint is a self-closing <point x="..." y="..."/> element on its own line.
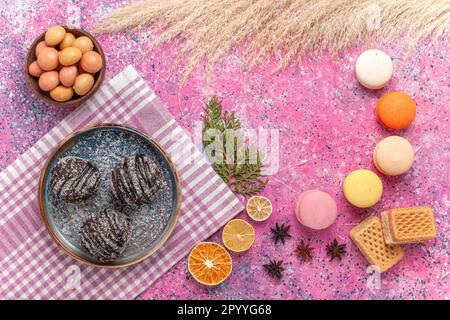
<point x="286" y="28"/>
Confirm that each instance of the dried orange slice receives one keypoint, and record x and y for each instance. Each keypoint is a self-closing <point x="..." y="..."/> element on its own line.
<point x="238" y="235"/>
<point x="259" y="208"/>
<point x="209" y="263"/>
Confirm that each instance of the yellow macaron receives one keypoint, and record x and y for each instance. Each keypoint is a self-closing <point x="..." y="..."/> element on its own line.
<point x="362" y="188"/>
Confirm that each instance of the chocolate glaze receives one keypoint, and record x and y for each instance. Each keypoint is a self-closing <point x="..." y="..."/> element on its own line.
<point x="105" y="234"/>
<point x="136" y="180"/>
<point x="75" y="179"/>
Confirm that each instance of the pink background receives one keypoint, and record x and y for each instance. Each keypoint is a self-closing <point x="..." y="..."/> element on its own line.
<point x="327" y="128"/>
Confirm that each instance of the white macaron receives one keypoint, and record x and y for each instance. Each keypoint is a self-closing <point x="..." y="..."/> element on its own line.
<point x="374" y="69"/>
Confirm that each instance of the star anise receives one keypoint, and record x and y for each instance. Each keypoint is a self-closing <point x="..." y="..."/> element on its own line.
<point x="335" y="250"/>
<point x="280" y="232"/>
<point x="274" y="268"/>
<point x="304" y="251"/>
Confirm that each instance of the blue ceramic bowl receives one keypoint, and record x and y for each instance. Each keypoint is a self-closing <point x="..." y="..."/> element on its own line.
<point x="105" y="146"/>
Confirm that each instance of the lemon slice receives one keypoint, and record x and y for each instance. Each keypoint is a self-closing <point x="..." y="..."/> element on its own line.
<point x="259" y="208"/>
<point x="238" y="235"/>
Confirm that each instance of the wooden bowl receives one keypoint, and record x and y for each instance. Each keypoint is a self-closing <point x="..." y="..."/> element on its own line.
<point x="76" y="99"/>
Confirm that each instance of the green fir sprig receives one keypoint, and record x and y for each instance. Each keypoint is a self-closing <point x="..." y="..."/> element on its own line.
<point x="243" y="177"/>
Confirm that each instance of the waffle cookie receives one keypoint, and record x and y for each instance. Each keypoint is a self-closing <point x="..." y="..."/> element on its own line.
<point x="368" y="237"/>
<point x="408" y="225"/>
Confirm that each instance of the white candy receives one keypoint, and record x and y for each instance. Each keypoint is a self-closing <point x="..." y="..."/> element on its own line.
<point x="374" y="69"/>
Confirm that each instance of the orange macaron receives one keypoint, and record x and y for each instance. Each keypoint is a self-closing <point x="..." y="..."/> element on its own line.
<point x="395" y="110"/>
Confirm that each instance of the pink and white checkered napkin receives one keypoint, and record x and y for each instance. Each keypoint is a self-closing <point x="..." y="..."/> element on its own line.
<point x="33" y="267"/>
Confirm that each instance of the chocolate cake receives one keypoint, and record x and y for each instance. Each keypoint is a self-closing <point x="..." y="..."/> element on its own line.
<point x="105" y="234"/>
<point x="136" y="180"/>
<point x="75" y="179"/>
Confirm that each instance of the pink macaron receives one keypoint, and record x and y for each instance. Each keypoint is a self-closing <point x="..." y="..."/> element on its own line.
<point x="316" y="209"/>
